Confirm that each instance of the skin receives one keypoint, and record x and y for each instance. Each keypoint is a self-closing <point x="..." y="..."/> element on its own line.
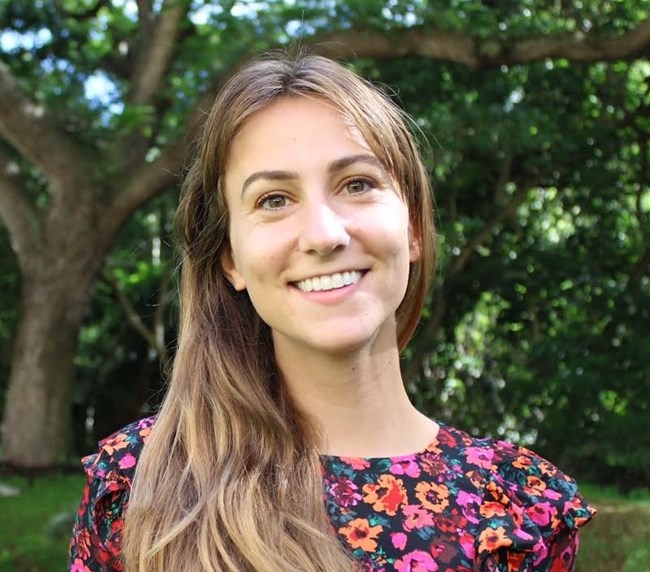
<point x="308" y="198"/>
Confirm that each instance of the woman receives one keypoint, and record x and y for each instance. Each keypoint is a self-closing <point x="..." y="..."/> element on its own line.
<point x="286" y="441"/>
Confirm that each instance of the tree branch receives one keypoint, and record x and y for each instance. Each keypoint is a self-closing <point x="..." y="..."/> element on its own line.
<point x="147" y="181"/>
<point x="134" y="318"/>
<point x="26" y="126"/>
<point x="474" y="52"/>
<point x="432" y="43"/>
<point x="459" y="264"/>
<point x="145" y="10"/>
<point x="584" y="47"/>
<point x="156" y="52"/>
<point x="19" y="216"/>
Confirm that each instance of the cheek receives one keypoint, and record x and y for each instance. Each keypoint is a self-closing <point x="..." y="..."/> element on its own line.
<point x="258" y="262"/>
<point x="390" y="232"/>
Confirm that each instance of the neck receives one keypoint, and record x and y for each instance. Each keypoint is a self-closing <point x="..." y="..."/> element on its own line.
<point x="357" y="401"/>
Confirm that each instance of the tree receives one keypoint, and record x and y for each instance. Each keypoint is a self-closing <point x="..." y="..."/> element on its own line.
<point x="88" y="189"/>
<point x="74" y="169"/>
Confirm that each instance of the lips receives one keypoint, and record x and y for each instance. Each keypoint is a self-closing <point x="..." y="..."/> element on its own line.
<point x="329" y="281"/>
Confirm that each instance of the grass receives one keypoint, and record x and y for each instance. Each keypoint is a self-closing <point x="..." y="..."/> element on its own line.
<point x="618" y="539"/>
<point x="31" y="539"/>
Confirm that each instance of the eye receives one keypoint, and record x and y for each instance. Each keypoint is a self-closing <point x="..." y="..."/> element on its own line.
<point x="358" y="186"/>
<point x="273" y="201"/>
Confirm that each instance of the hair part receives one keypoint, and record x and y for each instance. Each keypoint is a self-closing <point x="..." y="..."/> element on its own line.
<point x="230" y="478"/>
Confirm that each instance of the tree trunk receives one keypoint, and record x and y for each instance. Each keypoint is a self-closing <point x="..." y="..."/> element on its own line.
<point x="55" y="294"/>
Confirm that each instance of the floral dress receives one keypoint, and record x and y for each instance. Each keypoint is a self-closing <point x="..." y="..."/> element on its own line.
<point x="461" y="505"/>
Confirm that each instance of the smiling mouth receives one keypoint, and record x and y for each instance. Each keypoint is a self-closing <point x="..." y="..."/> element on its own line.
<point x="329" y="281"/>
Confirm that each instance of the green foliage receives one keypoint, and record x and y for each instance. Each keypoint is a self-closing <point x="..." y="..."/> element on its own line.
<point x="544" y="308"/>
<point x="546" y="327"/>
<point x="120" y="375"/>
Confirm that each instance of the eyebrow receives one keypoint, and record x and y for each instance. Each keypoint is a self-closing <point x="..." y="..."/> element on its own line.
<point x="333" y="168"/>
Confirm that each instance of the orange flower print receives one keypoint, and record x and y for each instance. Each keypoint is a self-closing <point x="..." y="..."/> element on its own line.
<point x="493" y="538"/>
<point x="145" y="432"/>
<point x="387" y="495"/>
<point x="360" y="534"/>
<point x="492" y="508"/>
<point x="356" y="463"/>
<point x="432" y="496"/>
<point x="475" y="478"/>
<point x="118" y="442"/>
<point x="548" y="469"/>
<point x="522" y="462"/>
<point x="534" y="485"/>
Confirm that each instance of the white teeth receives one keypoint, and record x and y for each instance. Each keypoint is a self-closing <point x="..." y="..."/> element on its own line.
<point x="329" y="282"/>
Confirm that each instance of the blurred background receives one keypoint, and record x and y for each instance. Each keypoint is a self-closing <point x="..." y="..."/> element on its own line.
<point x="534" y="117"/>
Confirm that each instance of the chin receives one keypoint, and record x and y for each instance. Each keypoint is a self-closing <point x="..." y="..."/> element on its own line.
<point x="349" y="342"/>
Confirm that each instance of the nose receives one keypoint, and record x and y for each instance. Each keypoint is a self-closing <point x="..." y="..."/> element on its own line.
<point x="323" y="230"/>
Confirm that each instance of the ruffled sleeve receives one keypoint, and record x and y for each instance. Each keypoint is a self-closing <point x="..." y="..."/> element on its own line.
<point x="531" y="513"/>
<point x="97" y="535"/>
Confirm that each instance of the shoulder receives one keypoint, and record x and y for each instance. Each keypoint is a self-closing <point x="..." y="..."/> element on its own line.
<point x="97" y="534"/>
<point x="521" y="475"/>
<point x="117" y="455"/>
<point x="549" y="496"/>
<point x="529" y="506"/>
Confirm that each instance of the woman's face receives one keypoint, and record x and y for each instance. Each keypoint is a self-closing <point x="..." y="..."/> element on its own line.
<point x="319" y="234"/>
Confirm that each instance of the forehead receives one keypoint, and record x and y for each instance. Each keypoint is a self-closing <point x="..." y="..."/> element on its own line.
<point x="289" y="131"/>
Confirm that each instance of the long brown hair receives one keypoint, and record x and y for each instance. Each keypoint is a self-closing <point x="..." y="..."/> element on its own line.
<point x="230" y="478"/>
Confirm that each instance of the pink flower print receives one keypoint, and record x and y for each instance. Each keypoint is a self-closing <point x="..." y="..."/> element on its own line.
<point x="406" y="466"/>
<point x="399" y="540"/>
<point x="541" y="513"/>
<point x="467" y="543"/>
<point x="479" y="456"/>
<point x="465" y="498"/>
<point x="345" y="492"/>
<point x="551" y="494"/>
<point x="469" y="505"/>
<point x="79" y="566"/>
<point x="416" y="517"/>
<point x="127" y="461"/>
<point x="416" y="561"/>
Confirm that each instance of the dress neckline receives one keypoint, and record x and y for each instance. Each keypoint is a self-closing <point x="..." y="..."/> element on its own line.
<point x="433" y="446"/>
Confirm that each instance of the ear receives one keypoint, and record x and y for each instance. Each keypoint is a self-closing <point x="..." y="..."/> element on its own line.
<point x="230" y="270"/>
